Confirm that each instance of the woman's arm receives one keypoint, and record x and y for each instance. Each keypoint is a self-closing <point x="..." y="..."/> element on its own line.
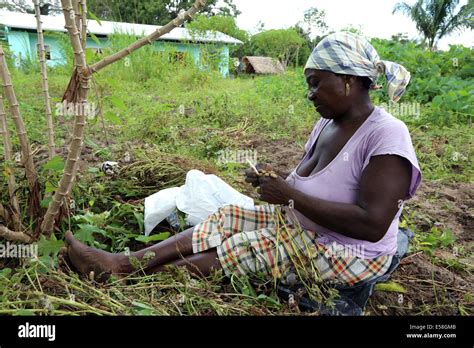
<point x="384" y="184"/>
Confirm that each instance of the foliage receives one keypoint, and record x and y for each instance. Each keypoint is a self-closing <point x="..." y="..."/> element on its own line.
<point x="47" y="7"/>
<point x="223" y="24"/>
<point x="282" y="44"/>
<point x="157" y="12"/>
<point x="437" y="18"/>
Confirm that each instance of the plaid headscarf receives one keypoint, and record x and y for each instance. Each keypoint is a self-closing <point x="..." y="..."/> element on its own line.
<point x="344" y="53"/>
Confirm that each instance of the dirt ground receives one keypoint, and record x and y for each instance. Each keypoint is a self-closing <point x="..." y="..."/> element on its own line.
<point x="430" y="288"/>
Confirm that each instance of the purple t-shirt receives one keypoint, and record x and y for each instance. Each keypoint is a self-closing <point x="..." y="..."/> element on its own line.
<point x="339" y="181"/>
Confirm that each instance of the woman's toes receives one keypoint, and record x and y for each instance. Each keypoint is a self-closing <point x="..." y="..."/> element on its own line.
<point x="69" y="238"/>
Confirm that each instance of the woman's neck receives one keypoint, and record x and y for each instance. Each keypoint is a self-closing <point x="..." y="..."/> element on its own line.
<point x="357" y="113"/>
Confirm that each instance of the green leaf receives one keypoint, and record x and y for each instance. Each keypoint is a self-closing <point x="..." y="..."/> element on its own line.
<point x="143" y="309"/>
<point x="117" y="102"/>
<point x="86" y="232"/>
<point x="24" y="312"/>
<point x="94" y="17"/>
<point x="110" y="116"/>
<point x="56" y="164"/>
<point x="5" y="272"/>
<point x="49" y="247"/>
<point x="390" y="286"/>
<point x="153" y="238"/>
<point x="95" y="39"/>
<point x="140" y="220"/>
<point x="45" y="202"/>
<point x="447" y="238"/>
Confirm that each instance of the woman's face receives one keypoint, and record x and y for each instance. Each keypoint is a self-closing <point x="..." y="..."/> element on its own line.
<point x="327" y="92"/>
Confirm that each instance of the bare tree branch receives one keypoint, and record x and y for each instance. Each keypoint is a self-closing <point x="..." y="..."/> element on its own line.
<point x="7" y="145"/>
<point x="84" y="24"/>
<point x="83" y="77"/>
<point x="44" y="74"/>
<point x="27" y="156"/>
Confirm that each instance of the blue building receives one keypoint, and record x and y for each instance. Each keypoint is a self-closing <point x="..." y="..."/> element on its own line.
<point x="18" y="30"/>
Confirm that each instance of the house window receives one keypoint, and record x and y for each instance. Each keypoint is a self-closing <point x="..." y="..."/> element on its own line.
<point x="177" y="57"/>
<point x="96" y="50"/>
<point x="47" y="51"/>
<point x="3" y="33"/>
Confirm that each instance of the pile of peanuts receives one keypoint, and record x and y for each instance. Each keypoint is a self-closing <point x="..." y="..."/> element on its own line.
<point x="269" y="173"/>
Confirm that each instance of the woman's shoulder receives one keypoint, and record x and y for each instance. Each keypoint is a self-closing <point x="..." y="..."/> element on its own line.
<point x="384" y="124"/>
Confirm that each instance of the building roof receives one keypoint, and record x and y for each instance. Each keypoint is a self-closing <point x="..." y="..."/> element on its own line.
<point x="56" y="23"/>
<point x="262" y="65"/>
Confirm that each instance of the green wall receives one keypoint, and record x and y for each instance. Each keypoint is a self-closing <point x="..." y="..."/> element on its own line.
<point x="23" y="44"/>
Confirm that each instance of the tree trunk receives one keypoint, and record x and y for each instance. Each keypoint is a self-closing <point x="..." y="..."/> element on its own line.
<point x="84" y="24"/>
<point x="45" y="84"/>
<point x="7" y="145"/>
<point x="75" y="147"/>
<point x="27" y="157"/>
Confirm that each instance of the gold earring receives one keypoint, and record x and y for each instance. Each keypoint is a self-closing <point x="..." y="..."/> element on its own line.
<point x="348" y="89"/>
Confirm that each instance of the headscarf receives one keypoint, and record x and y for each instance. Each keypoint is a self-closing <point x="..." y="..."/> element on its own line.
<point x="344" y="53"/>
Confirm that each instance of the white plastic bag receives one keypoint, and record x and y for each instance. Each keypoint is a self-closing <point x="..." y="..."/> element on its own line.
<point x="159" y="206"/>
<point x="204" y="194"/>
<point x="201" y="196"/>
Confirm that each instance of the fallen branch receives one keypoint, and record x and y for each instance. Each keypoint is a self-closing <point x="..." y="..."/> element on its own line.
<point x="45" y="84"/>
<point x="4" y="214"/>
<point x="8" y="234"/>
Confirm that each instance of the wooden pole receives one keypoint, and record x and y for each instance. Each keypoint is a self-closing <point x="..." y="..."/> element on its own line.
<point x="45" y="84"/>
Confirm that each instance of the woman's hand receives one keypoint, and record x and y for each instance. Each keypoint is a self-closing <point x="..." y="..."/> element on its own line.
<point x="252" y="177"/>
<point x="274" y="190"/>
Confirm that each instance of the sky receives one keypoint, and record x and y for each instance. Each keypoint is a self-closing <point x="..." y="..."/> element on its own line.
<point x="375" y="17"/>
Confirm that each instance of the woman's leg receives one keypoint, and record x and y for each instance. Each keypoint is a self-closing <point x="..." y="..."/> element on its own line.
<point x="86" y="259"/>
<point x="200" y="264"/>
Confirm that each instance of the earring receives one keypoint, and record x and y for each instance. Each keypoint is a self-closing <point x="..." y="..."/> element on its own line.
<point x="348" y="89"/>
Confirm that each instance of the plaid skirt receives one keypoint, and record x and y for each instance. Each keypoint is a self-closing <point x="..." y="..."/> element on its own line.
<point x="261" y="242"/>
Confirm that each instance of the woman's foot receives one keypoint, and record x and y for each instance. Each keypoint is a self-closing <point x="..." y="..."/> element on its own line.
<point x="94" y="263"/>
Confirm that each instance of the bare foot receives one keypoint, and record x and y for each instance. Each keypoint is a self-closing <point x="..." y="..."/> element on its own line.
<point x="86" y="260"/>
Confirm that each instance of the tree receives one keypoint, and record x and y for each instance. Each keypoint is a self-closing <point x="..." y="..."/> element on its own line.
<point x="314" y="22"/>
<point x="282" y="44"/>
<point x="223" y="24"/>
<point x="156" y="12"/>
<point x="435" y="19"/>
<point x="311" y="29"/>
<point x="47" y="7"/>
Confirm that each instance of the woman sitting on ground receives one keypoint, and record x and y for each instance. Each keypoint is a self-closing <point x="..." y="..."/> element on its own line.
<point x="345" y="195"/>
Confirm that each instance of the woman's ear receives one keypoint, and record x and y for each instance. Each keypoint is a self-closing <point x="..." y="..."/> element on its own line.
<point x="350" y="79"/>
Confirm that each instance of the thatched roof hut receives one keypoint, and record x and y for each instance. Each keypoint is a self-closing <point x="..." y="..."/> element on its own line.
<point x="262" y="65"/>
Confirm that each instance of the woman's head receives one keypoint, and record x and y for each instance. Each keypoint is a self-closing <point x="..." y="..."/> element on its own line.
<point x="341" y="70"/>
